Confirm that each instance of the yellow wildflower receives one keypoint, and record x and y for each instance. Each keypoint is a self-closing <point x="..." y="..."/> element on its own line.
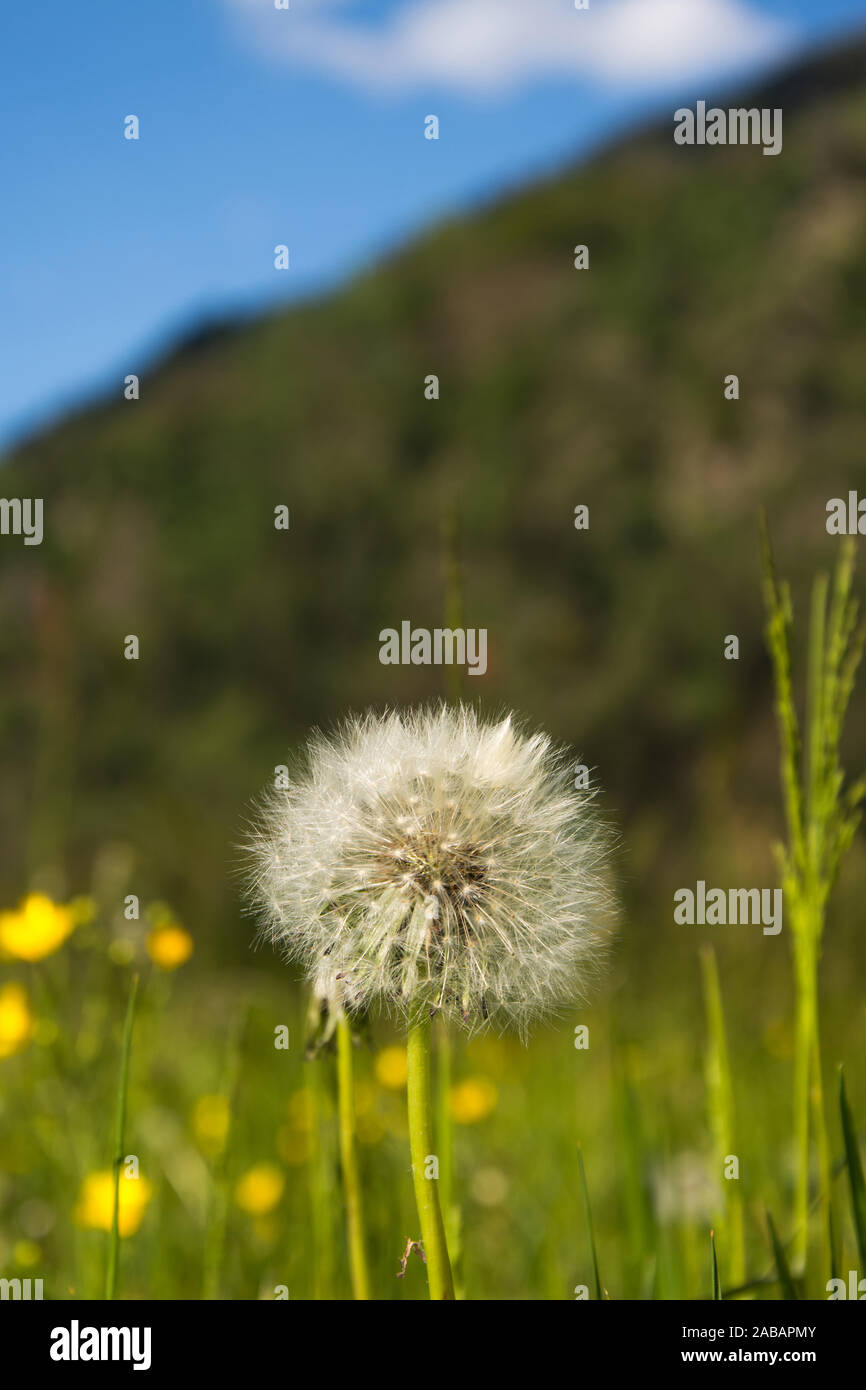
<point x="96" y="1202"/>
<point x="169" y="946"/>
<point x="210" y="1121"/>
<point x="473" y="1100"/>
<point x="37" y="928"/>
<point x="260" y="1189"/>
<point x="16" y="1020"/>
<point x="391" y="1068"/>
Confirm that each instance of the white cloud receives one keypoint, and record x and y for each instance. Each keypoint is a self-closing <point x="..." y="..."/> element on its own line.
<point x="494" y="45"/>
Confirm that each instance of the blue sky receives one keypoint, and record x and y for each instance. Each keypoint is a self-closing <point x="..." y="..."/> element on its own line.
<point x="302" y="127"/>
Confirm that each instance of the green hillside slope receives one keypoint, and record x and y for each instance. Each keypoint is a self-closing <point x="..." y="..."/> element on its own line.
<point x="558" y="387"/>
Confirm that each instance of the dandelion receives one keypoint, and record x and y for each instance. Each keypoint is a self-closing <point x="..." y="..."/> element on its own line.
<point x="37" y="928"/>
<point x="430" y="859"/>
<point x="16" y="1019"/>
<point x="96" y="1202"/>
<point x="430" y="862"/>
<point x="169" y="946"/>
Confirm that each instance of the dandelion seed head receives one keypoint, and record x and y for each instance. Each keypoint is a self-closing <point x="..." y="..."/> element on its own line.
<point x="463" y="871"/>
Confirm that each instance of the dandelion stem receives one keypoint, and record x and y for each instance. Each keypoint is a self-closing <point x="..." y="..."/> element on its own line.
<point x="439" y="1279"/>
<point x="119" y="1132"/>
<point x="349" y="1162"/>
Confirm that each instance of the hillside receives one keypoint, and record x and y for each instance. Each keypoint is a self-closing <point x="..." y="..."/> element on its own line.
<point x="558" y="387"/>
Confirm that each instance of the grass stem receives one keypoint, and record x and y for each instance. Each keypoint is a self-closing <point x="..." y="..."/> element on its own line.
<point x="119" y="1135"/>
<point x="218" y="1208"/>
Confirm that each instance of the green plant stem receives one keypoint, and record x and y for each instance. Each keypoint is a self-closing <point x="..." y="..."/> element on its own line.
<point x="349" y="1162"/>
<point x="825" y="1164"/>
<point x="810" y="1119"/>
<point x="439" y="1278"/>
<point x="721" y="1106"/>
<point x="803" y="1043"/>
<point x="320" y="1177"/>
<point x="218" y="1206"/>
<point x="119" y="1132"/>
<point x="822" y="819"/>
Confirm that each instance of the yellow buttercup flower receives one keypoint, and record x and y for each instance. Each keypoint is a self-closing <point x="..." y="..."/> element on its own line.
<point x="96" y="1202"/>
<point x="169" y="946"/>
<point x="210" y="1121"/>
<point x="473" y="1100"/>
<point x="260" y="1189"/>
<point x="16" y="1019"/>
<point x="392" y="1068"/>
<point x="37" y="928"/>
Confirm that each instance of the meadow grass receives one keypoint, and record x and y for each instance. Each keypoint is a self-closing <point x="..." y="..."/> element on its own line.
<point x="822" y="815"/>
<point x="562" y="1168"/>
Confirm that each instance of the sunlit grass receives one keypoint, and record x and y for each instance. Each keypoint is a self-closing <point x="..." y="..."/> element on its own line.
<point x="601" y="1168"/>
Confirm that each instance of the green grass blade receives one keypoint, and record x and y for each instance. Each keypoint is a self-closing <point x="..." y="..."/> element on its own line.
<point x="833" y="1242"/>
<point x="218" y="1204"/>
<point x="717" y="1284"/>
<point x="720" y="1098"/>
<point x="636" y="1197"/>
<point x="599" y="1291"/>
<point x="815" y="707"/>
<point x="789" y="1288"/>
<point x="119" y="1132"/>
<point x="649" y="1279"/>
<point x="855" y="1170"/>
